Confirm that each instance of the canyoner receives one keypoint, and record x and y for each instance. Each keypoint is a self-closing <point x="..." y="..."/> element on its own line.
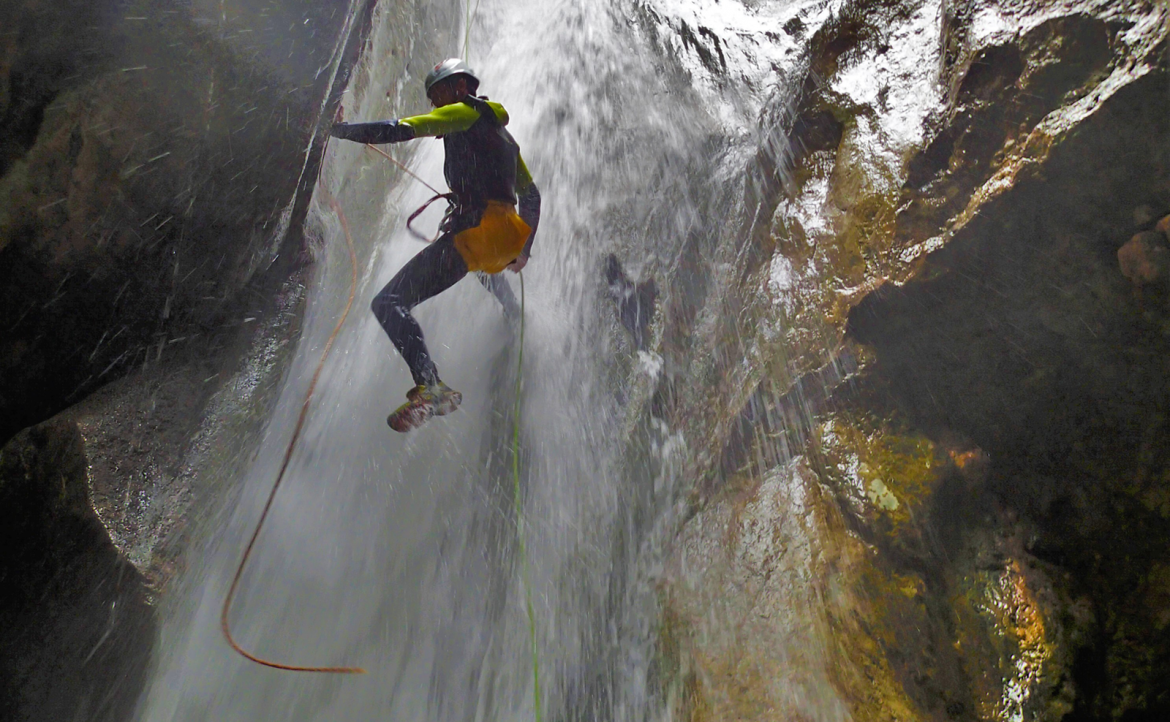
<point x="490" y="223"/>
<point x="481" y="232"/>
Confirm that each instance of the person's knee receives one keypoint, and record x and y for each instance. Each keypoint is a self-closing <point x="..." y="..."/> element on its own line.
<point x="388" y="307"/>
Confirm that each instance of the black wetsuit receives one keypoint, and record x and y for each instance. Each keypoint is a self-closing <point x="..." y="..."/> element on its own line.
<point x="482" y="164"/>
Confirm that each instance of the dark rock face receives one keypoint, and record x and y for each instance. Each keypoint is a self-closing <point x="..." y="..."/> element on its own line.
<point x="151" y="166"/>
<point x="1024" y="335"/>
<point x="155" y="168"/>
<point x="1145" y="258"/>
<point x="635" y="301"/>
<point x="77" y="624"/>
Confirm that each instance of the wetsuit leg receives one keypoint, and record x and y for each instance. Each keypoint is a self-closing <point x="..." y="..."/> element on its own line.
<point x="435" y="269"/>
<point x="503" y="293"/>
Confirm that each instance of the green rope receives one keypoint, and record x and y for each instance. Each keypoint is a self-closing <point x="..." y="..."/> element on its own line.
<point x="469" y="14"/>
<point x="520" y="515"/>
<point x="466" y="30"/>
<point x="516" y="446"/>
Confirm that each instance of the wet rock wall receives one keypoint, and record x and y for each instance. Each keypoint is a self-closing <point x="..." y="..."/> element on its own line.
<point x="77" y="621"/>
<point x="946" y="493"/>
<point x="152" y="160"/>
<point x="155" y="173"/>
<point x="156" y="249"/>
<point x="1051" y="361"/>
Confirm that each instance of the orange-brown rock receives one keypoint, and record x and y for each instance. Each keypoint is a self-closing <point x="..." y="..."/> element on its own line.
<point x="1163" y="226"/>
<point x="1145" y="258"/>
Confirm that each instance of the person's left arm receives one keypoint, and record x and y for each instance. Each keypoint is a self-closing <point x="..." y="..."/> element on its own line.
<point x="529" y="203"/>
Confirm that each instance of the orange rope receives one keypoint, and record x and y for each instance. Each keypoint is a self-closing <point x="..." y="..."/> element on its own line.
<point x="403" y="167"/>
<point x="227" y="602"/>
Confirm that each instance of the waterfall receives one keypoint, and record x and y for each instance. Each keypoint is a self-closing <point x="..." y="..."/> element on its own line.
<point x="398" y="553"/>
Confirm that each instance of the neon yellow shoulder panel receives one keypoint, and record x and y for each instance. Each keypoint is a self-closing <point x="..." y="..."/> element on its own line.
<point x="454" y="118"/>
<point x="523" y="177"/>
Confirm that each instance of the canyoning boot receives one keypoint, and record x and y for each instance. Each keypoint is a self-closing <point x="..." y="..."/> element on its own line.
<point x="423" y="402"/>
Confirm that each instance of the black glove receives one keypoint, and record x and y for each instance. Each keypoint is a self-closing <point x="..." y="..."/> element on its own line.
<point x="529" y="210"/>
<point x="384" y="131"/>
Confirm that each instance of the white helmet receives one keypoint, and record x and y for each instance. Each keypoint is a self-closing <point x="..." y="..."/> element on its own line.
<point x="448" y="68"/>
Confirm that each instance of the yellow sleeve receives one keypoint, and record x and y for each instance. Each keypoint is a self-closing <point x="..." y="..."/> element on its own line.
<point x="523" y="177"/>
<point x="454" y="118"/>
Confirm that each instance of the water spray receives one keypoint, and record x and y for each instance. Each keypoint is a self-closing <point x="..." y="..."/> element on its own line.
<point x="227" y="602"/>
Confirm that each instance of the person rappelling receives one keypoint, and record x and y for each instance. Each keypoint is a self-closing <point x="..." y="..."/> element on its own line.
<point x="481" y="230"/>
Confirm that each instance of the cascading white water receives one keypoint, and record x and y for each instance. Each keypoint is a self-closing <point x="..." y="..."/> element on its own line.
<point x="397" y="553"/>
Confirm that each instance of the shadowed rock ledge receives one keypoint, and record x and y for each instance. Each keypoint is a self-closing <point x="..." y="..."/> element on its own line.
<point x="78" y="628"/>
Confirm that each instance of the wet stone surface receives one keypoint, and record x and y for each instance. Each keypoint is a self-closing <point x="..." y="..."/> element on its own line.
<point x="78" y="625"/>
<point x="153" y="161"/>
<point x="150" y="170"/>
<point x="983" y="492"/>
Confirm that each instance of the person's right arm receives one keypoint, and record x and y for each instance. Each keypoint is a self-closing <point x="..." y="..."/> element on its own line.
<point x="454" y="118"/>
<point x="384" y="131"/>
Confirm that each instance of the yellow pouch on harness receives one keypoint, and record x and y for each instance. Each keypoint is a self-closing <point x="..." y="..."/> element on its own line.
<point x="496" y="241"/>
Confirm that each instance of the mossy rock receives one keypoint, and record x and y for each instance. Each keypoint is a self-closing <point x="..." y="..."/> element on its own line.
<point x="888" y="470"/>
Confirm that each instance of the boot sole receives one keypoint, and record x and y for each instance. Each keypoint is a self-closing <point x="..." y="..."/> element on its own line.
<point x="411" y="416"/>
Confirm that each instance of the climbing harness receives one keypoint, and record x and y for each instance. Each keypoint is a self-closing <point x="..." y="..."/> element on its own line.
<point x="449" y="197"/>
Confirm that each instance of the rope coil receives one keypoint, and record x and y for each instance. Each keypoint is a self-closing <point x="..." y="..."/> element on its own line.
<point x="224" y="620"/>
